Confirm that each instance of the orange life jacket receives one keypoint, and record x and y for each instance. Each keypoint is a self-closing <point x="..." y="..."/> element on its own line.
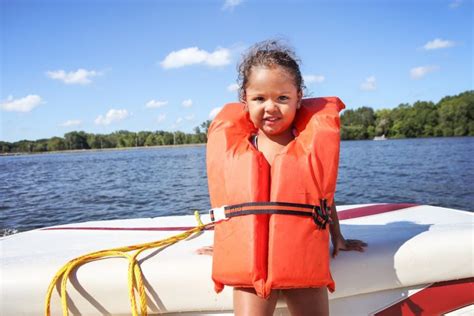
<point x="274" y="245"/>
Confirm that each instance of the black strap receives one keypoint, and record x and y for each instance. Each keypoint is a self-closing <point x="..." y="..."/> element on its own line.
<point x="320" y="213"/>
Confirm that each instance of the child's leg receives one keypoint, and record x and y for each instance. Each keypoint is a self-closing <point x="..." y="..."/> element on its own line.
<point x="307" y="302"/>
<point x="246" y="302"/>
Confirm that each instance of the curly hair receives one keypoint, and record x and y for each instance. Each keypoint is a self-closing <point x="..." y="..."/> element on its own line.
<point x="269" y="53"/>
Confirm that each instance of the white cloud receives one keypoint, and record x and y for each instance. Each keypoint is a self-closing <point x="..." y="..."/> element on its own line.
<point x="369" y="84"/>
<point x="231" y="4"/>
<point x="214" y="112"/>
<point x="180" y="120"/>
<point x="187" y="103"/>
<point x="233" y="87"/>
<point x="219" y="57"/>
<point x="194" y="55"/>
<point x="153" y="104"/>
<point x="70" y="123"/>
<point x="455" y="3"/>
<point x="161" y="118"/>
<point x="80" y="76"/>
<point x="313" y="78"/>
<point x="25" y="104"/>
<point x="438" y="43"/>
<point x="112" y="116"/>
<point x="420" y="72"/>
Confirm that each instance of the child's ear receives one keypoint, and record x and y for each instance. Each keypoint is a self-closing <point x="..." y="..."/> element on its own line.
<point x="245" y="106"/>
<point x="300" y="98"/>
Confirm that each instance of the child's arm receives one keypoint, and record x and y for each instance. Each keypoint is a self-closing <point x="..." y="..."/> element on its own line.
<point x="338" y="241"/>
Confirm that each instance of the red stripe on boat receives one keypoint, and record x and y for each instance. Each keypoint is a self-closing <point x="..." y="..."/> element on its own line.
<point x="346" y="214"/>
<point x="372" y="210"/>
<point x="179" y="228"/>
<point x="436" y="299"/>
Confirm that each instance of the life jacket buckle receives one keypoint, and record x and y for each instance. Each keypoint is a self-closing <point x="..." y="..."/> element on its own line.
<point x="321" y="214"/>
<point x="217" y="214"/>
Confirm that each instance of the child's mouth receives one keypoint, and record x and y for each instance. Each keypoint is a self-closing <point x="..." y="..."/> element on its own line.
<point x="271" y="119"/>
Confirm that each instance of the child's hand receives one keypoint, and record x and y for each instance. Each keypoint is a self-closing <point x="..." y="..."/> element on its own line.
<point x="205" y="251"/>
<point x="339" y="243"/>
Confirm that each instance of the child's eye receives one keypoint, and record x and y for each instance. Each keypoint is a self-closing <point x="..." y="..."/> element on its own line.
<point x="259" y="99"/>
<point x="283" y="98"/>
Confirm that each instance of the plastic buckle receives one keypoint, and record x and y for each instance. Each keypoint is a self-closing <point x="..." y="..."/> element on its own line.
<point x="217" y="214"/>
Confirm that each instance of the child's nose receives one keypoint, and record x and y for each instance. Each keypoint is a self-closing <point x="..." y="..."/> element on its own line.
<point x="270" y="106"/>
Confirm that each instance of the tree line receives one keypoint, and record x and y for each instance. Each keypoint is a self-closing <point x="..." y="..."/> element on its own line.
<point x="451" y="116"/>
<point x="77" y="140"/>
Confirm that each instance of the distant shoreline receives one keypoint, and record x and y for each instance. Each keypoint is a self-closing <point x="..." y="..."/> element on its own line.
<point x="75" y="151"/>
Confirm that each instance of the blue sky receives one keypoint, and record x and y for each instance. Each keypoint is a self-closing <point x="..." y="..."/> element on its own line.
<point x="102" y="66"/>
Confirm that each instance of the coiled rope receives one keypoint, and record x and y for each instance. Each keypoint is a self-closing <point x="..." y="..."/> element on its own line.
<point x="135" y="275"/>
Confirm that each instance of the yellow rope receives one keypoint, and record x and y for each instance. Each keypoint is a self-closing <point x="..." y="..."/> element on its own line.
<point x="135" y="275"/>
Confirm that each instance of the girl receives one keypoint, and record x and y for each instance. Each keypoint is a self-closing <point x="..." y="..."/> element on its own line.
<point x="271" y="89"/>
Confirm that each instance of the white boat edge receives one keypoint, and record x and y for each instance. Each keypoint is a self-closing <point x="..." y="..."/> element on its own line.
<point x="399" y="240"/>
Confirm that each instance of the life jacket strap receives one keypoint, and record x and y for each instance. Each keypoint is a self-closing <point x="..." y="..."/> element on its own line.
<point x="320" y="213"/>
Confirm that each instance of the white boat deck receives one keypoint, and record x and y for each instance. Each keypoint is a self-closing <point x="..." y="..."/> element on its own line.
<point x="409" y="250"/>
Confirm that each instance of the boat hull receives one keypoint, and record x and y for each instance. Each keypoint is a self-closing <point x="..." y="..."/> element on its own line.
<point x="416" y="254"/>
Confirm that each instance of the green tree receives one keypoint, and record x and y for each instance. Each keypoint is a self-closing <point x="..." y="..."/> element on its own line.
<point x="456" y="113"/>
<point x="94" y="141"/>
<point x="179" y="138"/>
<point x="24" y="146"/>
<point x="40" y="145"/>
<point x="151" y="140"/>
<point x="125" y="138"/>
<point x="56" y="144"/>
<point x="205" y="126"/>
<point x="359" y="123"/>
<point x="199" y="136"/>
<point x="426" y="118"/>
<point x="141" y="138"/>
<point x="76" y="140"/>
<point x="5" y="147"/>
<point x="382" y="122"/>
<point x="167" y="138"/>
<point x="109" y="141"/>
<point x="351" y="132"/>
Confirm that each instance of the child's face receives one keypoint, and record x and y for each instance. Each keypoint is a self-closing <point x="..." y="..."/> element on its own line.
<point x="272" y="99"/>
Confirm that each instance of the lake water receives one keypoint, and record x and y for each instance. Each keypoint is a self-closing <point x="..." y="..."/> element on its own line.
<point x="50" y="189"/>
